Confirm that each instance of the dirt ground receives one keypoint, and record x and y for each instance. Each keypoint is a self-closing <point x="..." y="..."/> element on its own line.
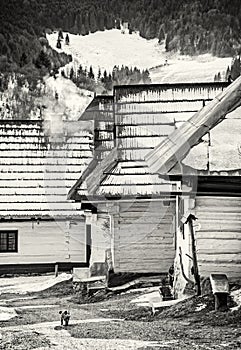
<point x="115" y="323"/>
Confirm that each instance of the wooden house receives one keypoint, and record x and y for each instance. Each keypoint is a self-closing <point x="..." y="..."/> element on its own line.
<point x="204" y="154"/>
<point x="140" y="207"/>
<point x="39" y="163"/>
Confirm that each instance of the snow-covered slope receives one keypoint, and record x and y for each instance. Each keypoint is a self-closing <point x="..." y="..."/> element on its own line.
<point x="23" y="284"/>
<point x="105" y="49"/>
<point x="72" y="101"/>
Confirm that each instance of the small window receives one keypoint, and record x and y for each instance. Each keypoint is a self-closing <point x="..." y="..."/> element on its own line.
<point x="8" y="241"/>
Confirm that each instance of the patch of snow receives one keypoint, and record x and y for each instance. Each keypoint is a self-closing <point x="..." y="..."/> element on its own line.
<point x="29" y="307"/>
<point x="148" y="298"/>
<point x="200" y="307"/>
<point x="144" y="289"/>
<point x="236" y="294"/>
<point x="104" y="50"/>
<point x="190" y="69"/>
<point x="6" y="313"/>
<point x="25" y="284"/>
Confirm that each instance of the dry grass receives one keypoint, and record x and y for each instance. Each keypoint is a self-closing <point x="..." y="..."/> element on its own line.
<point x="15" y="340"/>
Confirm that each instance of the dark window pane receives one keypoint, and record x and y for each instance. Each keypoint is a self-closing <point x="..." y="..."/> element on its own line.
<point x="12" y="241"/>
<point x="8" y="241"/>
<point x="3" y="241"/>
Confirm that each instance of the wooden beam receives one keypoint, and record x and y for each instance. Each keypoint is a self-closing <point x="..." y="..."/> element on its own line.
<point x="176" y="146"/>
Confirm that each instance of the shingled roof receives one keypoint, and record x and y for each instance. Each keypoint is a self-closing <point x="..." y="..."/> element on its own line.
<point x="38" y="167"/>
<point x="143" y="115"/>
<point x="218" y="152"/>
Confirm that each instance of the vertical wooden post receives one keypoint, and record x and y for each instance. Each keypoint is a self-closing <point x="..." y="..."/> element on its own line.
<point x="194" y="254"/>
<point x="56" y="270"/>
<point x="88" y="244"/>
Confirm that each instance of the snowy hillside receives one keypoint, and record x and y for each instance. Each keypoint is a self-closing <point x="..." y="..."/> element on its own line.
<point x="71" y="102"/>
<point x="105" y="49"/>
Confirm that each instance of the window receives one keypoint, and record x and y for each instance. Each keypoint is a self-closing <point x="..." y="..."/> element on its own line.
<point x="8" y="241"/>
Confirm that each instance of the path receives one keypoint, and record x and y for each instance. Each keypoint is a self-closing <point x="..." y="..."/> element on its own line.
<point x="60" y="338"/>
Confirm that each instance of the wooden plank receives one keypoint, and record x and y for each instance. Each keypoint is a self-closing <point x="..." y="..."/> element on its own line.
<point x="231" y="270"/>
<point x="219" y="235"/>
<point x="153" y="240"/>
<point x="204" y="202"/>
<point x="138" y="230"/>
<point x="217" y="246"/>
<point x="221" y="258"/>
<point x="208" y="226"/>
<point x="220" y="216"/>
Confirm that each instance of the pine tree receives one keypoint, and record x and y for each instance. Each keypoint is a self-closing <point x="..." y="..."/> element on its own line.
<point x="146" y="76"/>
<point x="93" y="23"/>
<point x="228" y="74"/>
<point x="23" y="59"/>
<point x="67" y="39"/>
<point x="58" y="45"/>
<point x="235" y="68"/>
<point x="91" y="74"/>
<point x="80" y="70"/>
<point x="60" y="36"/>
<point x="117" y="24"/>
<point x="99" y="75"/>
<point x="167" y="42"/>
<point x="43" y="60"/>
<point x="100" y="21"/>
<point x="71" y="74"/>
<point x="87" y="23"/>
<point x="83" y="30"/>
<point x="161" y="34"/>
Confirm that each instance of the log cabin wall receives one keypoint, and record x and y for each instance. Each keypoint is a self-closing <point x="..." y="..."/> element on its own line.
<point x="218" y="235"/>
<point x="42" y="244"/>
<point x="144" y="236"/>
<point x="218" y="239"/>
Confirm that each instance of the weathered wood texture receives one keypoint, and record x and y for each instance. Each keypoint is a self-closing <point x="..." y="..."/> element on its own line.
<point x="219" y="235"/>
<point x="178" y="144"/>
<point x="100" y="237"/>
<point x="144" y="116"/>
<point x="100" y="110"/>
<point x="39" y="166"/>
<point x="221" y="149"/>
<point x="144" y="237"/>
<point x="46" y="242"/>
